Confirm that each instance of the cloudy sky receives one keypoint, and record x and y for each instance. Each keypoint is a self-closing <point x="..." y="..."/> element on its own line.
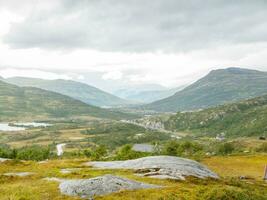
<point x="120" y="43"/>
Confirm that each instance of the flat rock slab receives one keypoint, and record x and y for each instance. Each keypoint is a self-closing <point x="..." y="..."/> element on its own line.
<point x="20" y="174"/>
<point x="88" y="188"/>
<point x="169" y="167"/>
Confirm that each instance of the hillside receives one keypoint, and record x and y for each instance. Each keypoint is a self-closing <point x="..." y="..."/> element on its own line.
<point x="218" y="87"/>
<point x="245" y="118"/>
<point x="28" y="102"/>
<point x="76" y="90"/>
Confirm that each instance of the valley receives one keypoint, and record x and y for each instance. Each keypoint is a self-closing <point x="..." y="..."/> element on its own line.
<point x="47" y="138"/>
<point x="133" y="100"/>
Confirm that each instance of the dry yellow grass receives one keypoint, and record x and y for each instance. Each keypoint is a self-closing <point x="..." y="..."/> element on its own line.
<point x="34" y="187"/>
<point x="236" y="166"/>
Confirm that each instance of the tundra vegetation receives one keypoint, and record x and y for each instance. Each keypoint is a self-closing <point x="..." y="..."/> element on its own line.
<point x="112" y="140"/>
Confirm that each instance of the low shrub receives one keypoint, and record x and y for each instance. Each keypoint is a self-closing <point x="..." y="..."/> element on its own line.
<point x="262" y="148"/>
<point x="126" y="153"/>
<point x="182" y="148"/>
<point x="225" y="148"/>
<point x="97" y="153"/>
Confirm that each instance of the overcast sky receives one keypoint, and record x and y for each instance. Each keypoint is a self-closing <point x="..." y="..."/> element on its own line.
<point x="119" y="43"/>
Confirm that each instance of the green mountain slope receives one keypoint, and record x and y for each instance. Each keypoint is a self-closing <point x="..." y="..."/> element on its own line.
<point x="218" y="87"/>
<point x="244" y="118"/>
<point x="76" y="90"/>
<point x="28" y="102"/>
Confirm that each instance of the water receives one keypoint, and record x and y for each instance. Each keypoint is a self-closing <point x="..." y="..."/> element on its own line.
<point x="32" y="124"/>
<point x="6" y="127"/>
<point x="21" y="126"/>
<point x="143" y="147"/>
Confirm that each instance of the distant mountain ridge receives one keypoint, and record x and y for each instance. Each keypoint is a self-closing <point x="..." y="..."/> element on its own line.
<point x="151" y="95"/>
<point x="218" y="87"/>
<point x="80" y="91"/>
<point x="147" y="94"/>
<point x="22" y="103"/>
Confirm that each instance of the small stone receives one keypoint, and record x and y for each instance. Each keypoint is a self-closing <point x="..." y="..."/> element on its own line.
<point x="69" y="170"/>
<point x="20" y="174"/>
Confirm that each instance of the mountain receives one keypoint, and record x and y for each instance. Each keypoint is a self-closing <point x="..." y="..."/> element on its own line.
<point x="76" y="90"/>
<point x="146" y="93"/>
<point x="218" y="87"/>
<point x="127" y="92"/>
<point x="151" y="95"/>
<point x="28" y="102"/>
<point x="244" y="118"/>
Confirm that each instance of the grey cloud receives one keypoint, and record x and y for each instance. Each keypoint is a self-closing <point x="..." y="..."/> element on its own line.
<point x="142" y="25"/>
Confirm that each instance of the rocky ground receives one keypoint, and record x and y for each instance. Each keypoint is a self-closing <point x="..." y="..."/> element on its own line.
<point x="160" y="167"/>
<point x="88" y="188"/>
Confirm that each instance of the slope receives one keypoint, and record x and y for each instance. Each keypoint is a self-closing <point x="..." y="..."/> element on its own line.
<point x="28" y="102"/>
<point x="76" y="90"/>
<point x="218" y="87"/>
<point x="244" y="118"/>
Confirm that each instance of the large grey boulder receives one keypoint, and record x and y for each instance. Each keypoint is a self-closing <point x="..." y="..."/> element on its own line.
<point x="169" y="167"/>
<point x="88" y="188"/>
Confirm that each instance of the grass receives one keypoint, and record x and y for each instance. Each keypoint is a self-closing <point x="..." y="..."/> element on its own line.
<point x="229" y="168"/>
<point x="235" y="166"/>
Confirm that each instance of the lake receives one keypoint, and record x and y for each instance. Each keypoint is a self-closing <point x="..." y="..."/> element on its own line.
<point x="21" y="126"/>
<point x="6" y="127"/>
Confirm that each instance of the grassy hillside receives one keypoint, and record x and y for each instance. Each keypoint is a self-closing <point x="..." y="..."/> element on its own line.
<point x="21" y="103"/>
<point x="245" y="118"/>
<point x="76" y="90"/>
<point x="218" y="87"/>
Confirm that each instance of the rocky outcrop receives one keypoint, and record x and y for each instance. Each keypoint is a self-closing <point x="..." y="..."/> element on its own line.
<point x="169" y="167"/>
<point x="88" y="188"/>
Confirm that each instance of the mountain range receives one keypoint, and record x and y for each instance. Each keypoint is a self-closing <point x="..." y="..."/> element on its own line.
<point x="77" y="90"/>
<point x="147" y="96"/>
<point x="218" y="87"/>
<point x="28" y="102"/>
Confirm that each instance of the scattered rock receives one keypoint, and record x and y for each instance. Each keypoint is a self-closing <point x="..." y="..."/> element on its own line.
<point x="20" y="174"/>
<point x="3" y="159"/>
<point x="160" y="167"/>
<point x="43" y="162"/>
<point x="88" y="188"/>
<point x="53" y="179"/>
<point x="69" y="170"/>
